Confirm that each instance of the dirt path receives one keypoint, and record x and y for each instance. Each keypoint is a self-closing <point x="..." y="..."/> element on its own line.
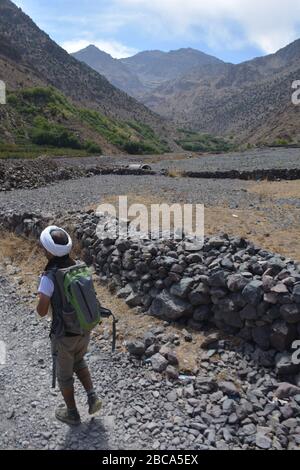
<point x="134" y="398"/>
<point x="27" y="401"/>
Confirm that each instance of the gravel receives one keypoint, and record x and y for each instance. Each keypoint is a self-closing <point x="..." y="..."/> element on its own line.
<point x="230" y="404"/>
<point x="77" y="194"/>
<point x="142" y="409"/>
<point x="250" y="160"/>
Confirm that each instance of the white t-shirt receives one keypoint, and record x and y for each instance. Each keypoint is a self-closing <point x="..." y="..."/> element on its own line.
<point x="46" y="286"/>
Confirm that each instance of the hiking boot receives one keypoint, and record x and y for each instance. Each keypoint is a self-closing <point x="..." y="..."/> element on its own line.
<point x="94" y="404"/>
<point x="72" y="418"/>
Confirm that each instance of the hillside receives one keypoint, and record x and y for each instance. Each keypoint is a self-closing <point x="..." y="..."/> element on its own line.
<point x="29" y="58"/>
<point x="156" y="67"/>
<point x="144" y="71"/>
<point x="38" y="119"/>
<point x="251" y="100"/>
<point x="114" y="70"/>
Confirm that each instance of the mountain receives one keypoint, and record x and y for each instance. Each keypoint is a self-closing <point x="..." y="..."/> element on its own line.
<point x="140" y="74"/>
<point x="114" y="70"/>
<point x="251" y="100"/>
<point x="29" y="58"/>
<point x="156" y="67"/>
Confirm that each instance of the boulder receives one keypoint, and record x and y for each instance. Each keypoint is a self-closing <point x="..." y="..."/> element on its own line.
<point x="249" y="312"/>
<point x="286" y="390"/>
<point x="236" y="283"/>
<point x="290" y="313"/>
<point x="253" y="292"/>
<point x="229" y="389"/>
<point x="134" y="300"/>
<point x="201" y="314"/>
<point x="182" y="288"/>
<point x="261" y="336"/>
<point x="169" y="307"/>
<point x="136" y="348"/>
<point x="151" y="350"/>
<point x="149" y="339"/>
<point x="172" y="373"/>
<point x="159" y="363"/>
<point x="296" y="294"/>
<point x="217" y="279"/>
<point x="199" y="298"/>
<point x="282" y="335"/>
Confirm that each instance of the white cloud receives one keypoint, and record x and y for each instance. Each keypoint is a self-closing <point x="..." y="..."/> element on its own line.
<point x="114" y="48"/>
<point x="266" y="24"/>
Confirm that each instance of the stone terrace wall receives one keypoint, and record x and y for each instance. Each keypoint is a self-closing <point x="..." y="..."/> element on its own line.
<point x="230" y="283"/>
<point x="268" y="174"/>
<point x="31" y="174"/>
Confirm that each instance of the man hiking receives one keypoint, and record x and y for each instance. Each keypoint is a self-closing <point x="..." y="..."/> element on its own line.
<point x="69" y="340"/>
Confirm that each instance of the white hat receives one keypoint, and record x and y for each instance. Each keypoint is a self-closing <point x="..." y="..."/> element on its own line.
<point x="49" y="244"/>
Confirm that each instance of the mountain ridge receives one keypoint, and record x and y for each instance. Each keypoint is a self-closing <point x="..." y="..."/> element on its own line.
<point x="30" y="58"/>
<point x="148" y="69"/>
<point x="248" y="100"/>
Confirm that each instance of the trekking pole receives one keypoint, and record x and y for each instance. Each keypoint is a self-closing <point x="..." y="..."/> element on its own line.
<point x="54" y="357"/>
<point x="115" y="321"/>
<point x="106" y="313"/>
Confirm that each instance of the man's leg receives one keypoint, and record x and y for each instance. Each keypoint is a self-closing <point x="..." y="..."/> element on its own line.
<point x="82" y="371"/>
<point x="68" y="394"/>
<point x="65" y="365"/>
<point x="85" y="378"/>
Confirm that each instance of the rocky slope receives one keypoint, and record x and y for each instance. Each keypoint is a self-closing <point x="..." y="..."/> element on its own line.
<point x="156" y="67"/>
<point x="251" y="100"/>
<point x="113" y="69"/>
<point x="146" y="70"/>
<point x="28" y="57"/>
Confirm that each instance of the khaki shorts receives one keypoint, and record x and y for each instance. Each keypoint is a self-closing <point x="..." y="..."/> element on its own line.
<point x="70" y="352"/>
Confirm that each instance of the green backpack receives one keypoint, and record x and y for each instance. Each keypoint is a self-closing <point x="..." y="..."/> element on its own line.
<point x="81" y="311"/>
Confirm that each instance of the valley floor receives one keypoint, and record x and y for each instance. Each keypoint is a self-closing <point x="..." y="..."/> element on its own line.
<point x="267" y="213"/>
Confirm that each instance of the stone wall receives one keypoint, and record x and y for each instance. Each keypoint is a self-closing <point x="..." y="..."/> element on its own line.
<point x="267" y="174"/>
<point x="31" y="174"/>
<point x="229" y="283"/>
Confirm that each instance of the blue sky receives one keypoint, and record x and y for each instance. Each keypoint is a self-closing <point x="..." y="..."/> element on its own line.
<point x="233" y="30"/>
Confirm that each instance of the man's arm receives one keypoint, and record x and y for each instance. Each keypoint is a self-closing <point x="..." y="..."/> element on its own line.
<point x="45" y="291"/>
<point x="43" y="305"/>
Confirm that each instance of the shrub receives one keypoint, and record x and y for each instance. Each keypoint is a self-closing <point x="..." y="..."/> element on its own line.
<point x="92" y="147"/>
<point x="55" y="135"/>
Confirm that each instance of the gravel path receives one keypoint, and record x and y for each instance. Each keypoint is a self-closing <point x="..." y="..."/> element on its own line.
<point x="248" y="160"/>
<point x="251" y="160"/>
<point x="77" y="194"/>
<point x="229" y="405"/>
